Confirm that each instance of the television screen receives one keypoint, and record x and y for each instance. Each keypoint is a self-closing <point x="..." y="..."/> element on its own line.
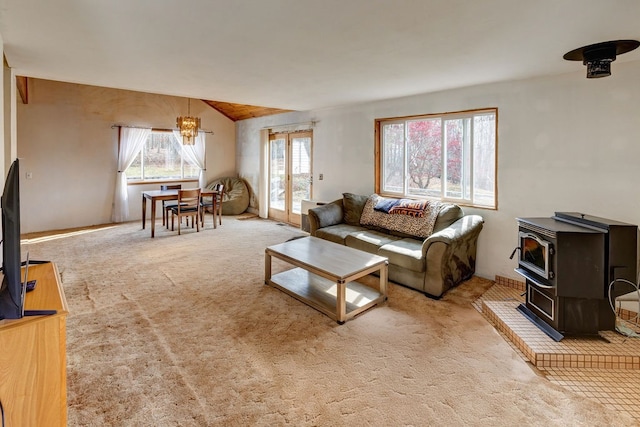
<point x="11" y="297"/>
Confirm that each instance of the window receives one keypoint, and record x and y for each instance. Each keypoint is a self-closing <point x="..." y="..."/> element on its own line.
<point x="162" y="158"/>
<point x="451" y="157"/>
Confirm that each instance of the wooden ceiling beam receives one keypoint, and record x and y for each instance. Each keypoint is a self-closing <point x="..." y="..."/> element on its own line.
<point x="237" y="112"/>
<point x="23" y="88"/>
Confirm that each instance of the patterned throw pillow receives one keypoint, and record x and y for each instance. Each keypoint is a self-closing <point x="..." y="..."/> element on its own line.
<point x="409" y="207"/>
<point x="415" y="226"/>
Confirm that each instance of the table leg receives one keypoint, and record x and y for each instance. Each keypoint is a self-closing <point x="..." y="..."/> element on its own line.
<point x="144" y="211"/>
<point x="384" y="273"/>
<point x="341" y="302"/>
<point x="267" y="267"/>
<point x="153" y="217"/>
<point x="215" y="211"/>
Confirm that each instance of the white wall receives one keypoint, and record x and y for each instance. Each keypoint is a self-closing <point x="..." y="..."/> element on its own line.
<point x="565" y="144"/>
<point x="65" y="140"/>
<point x="5" y="95"/>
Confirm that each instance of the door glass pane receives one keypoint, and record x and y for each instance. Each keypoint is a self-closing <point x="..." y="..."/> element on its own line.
<point x="277" y="183"/>
<point x="484" y="159"/>
<point x="300" y="172"/>
<point x="393" y="157"/>
<point x="424" y="160"/>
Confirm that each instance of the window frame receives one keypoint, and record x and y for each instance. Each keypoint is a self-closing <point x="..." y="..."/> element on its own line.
<point x="144" y="180"/>
<point x="468" y="157"/>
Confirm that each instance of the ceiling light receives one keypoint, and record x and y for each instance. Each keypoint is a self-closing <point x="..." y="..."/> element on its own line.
<point x="598" y="57"/>
<point x="188" y="127"/>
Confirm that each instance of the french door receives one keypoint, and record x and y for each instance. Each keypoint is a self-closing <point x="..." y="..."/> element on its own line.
<point x="290" y="179"/>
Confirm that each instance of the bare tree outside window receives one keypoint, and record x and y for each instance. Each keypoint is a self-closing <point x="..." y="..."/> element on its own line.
<point x="424" y="144"/>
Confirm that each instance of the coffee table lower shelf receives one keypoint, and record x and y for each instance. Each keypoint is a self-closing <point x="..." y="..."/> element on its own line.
<point x="321" y="293"/>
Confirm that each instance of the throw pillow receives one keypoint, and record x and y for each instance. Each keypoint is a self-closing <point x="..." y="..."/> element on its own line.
<point x="353" y="205"/>
<point x="409" y="207"/>
<point x="385" y="205"/>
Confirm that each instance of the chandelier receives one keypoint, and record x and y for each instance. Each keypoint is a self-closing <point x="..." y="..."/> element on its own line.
<point x="188" y="127"/>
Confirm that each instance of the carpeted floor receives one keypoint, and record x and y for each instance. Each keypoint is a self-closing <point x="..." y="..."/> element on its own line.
<point x="181" y="331"/>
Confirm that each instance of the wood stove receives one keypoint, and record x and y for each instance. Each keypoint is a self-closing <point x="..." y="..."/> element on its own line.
<point x="568" y="261"/>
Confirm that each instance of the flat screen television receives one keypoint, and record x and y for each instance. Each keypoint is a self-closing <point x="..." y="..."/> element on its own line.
<point x="11" y="293"/>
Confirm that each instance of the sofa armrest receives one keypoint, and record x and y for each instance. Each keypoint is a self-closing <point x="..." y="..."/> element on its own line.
<point x="451" y="254"/>
<point x="325" y="215"/>
<point x="467" y="225"/>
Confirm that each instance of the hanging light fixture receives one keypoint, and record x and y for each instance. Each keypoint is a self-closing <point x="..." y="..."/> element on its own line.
<point x="598" y="57"/>
<point x="188" y="127"/>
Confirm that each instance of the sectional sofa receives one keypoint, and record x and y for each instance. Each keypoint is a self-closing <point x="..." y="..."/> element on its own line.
<point x="431" y="246"/>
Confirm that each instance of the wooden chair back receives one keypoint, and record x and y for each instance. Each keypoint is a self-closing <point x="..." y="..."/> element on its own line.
<point x="220" y="190"/>
<point x="189" y="206"/>
<point x="167" y="204"/>
<point x="165" y="187"/>
<point x="188" y="199"/>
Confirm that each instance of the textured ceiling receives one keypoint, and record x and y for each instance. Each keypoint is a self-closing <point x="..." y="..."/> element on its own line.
<point x="304" y="54"/>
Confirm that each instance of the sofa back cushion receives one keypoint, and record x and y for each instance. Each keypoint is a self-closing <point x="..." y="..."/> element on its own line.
<point x="328" y="214"/>
<point x="449" y="213"/>
<point x="353" y="205"/>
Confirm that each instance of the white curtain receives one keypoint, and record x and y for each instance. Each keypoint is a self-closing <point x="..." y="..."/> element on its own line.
<point x="195" y="154"/>
<point x="263" y="180"/>
<point x="131" y="142"/>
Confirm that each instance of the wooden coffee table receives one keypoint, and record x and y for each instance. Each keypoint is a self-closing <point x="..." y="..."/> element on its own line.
<point x="325" y="274"/>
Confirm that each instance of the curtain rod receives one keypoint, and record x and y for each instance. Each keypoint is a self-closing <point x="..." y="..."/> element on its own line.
<point x="289" y="125"/>
<point x="154" y="129"/>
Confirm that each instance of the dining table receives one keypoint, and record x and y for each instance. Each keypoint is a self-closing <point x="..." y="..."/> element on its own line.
<point x="159" y="195"/>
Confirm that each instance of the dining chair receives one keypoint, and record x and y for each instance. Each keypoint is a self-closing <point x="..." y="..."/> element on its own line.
<point x="219" y="189"/>
<point x="168" y="204"/>
<point x="188" y="206"/>
<point x="219" y="198"/>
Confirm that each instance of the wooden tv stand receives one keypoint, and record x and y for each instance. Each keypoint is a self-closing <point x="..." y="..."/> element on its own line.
<point x="33" y="358"/>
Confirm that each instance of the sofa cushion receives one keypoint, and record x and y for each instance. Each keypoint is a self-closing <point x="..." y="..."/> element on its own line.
<point x="337" y="233"/>
<point x="368" y="240"/>
<point x="449" y="213"/>
<point x="406" y="253"/>
<point x="353" y="205"/>
<point x="419" y="227"/>
<point x="329" y="214"/>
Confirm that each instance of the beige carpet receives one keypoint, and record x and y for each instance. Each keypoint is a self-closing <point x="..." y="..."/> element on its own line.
<point x="181" y="331"/>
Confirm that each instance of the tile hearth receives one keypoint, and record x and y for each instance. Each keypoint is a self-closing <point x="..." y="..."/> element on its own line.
<point x="604" y="368"/>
